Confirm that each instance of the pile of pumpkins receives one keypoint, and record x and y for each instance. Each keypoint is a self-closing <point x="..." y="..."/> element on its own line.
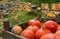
<point x="37" y="30"/>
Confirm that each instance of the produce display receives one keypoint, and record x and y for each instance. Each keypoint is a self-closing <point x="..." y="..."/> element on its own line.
<point x="38" y="30"/>
<point x="50" y="15"/>
<point x="8" y="8"/>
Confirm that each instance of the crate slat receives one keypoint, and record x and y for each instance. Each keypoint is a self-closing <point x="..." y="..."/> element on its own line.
<point x="9" y="35"/>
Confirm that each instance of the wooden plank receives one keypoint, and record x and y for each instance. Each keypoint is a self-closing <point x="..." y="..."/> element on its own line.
<point x="6" y="24"/>
<point x="10" y="35"/>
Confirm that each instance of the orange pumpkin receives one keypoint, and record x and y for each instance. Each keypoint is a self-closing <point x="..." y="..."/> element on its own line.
<point x="17" y="30"/>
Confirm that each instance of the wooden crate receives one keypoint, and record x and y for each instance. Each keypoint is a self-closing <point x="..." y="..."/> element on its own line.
<point x="7" y="34"/>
